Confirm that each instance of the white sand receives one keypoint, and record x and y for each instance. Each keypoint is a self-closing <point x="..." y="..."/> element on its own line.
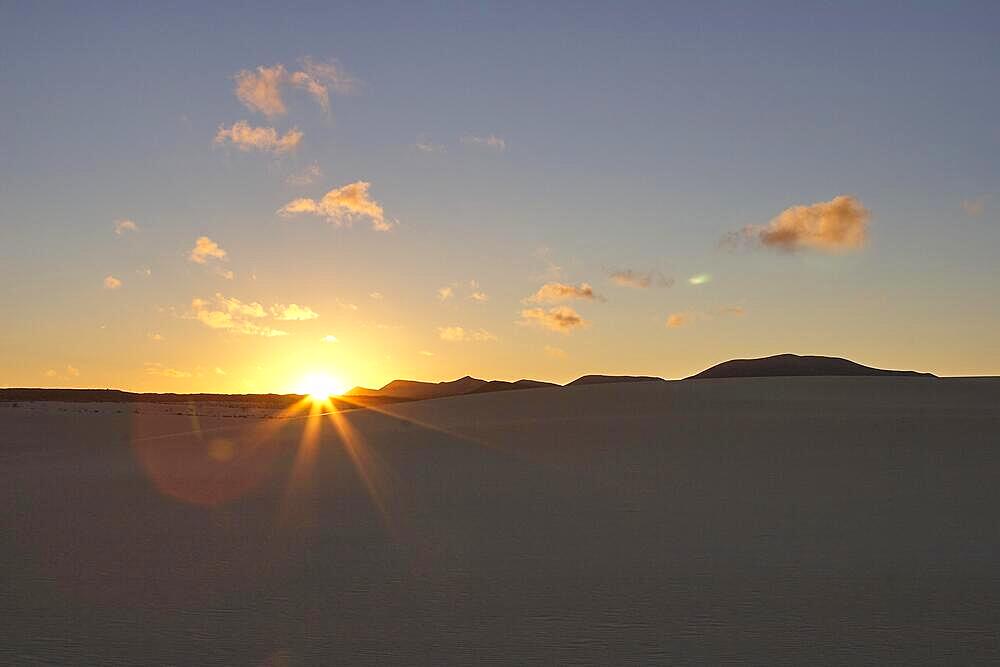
<point x="805" y="520"/>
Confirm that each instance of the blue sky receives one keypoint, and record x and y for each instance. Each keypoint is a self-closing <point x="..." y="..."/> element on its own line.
<point x="634" y="137"/>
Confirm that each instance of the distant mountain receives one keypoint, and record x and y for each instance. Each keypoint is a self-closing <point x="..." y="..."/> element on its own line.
<point x="414" y="390"/>
<point x="608" y="379"/>
<point x="791" y="365"/>
<point x="500" y="385"/>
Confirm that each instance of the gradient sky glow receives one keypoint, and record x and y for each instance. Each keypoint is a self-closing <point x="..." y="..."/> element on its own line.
<point x="158" y="233"/>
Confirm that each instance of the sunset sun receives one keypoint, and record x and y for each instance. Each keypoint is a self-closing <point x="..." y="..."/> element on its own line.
<point x="320" y="386"/>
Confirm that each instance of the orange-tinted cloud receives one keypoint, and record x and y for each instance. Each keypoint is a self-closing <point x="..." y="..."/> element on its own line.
<point x="125" y="225"/>
<point x="560" y="318"/>
<point x="205" y="249"/>
<point x="293" y="311"/>
<point x="262" y="89"/>
<point x="676" y="320"/>
<point x="232" y="314"/>
<point x="640" y="279"/>
<point x="975" y="207"/>
<point x="341" y="206"/>
<point x="110" y="282"/>
<point x="159" y="370"/>
<point x="306" y="175"/>
<point x="248" y="138"/>
<point x="461" y="335"/>
<point x="838" y="225"/>
<point x="551" y="292"/>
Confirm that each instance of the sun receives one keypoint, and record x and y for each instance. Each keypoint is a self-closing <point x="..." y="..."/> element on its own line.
<point x="320" y="386"/>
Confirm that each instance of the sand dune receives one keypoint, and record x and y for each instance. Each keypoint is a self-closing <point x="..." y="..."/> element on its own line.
<point x="805" y="520"/>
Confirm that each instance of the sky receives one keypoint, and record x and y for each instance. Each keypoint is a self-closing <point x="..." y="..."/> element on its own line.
<point x="236" y="198"/>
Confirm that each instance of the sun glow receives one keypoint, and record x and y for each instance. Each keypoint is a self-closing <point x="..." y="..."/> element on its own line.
<point x="320" y="386"/>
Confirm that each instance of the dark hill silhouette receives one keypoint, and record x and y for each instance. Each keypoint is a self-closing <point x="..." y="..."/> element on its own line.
<point x="500" y="385"/>
<point x="118" y="396"/>
<point x="608" y="379"/>
<point x="792" y="365"/>
<point x="414" y="390"/>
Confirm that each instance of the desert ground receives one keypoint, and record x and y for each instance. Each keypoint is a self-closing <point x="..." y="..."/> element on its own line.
<point x="766" y="520"/>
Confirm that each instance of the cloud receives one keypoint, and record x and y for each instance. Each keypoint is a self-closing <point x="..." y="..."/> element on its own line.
<point x="551" y="292"/>
<point x="480" y="297"/>
<point x="460" y="335"/>
<point x="110" y="282"/>
<point x="344" y="305"/>
<point x="248" y="138"/>
<point x="204" y="249"/>
<point x="145" y="271"/>
<point x="492" y="141"/>
<point x="426" y="353"/>
<point x="329" y="338"/>
<point x="555" y="352"/>
<point x="377" y="296"/>
<point x="975" y="207"/>
<point x="640" y="279"/>
<point x="262" y="89"/>
<point x="293" y="311"/>
<point x="306" y="175"/>
<point x="445" y="293"/>
<point x="341" y="206"/>
<point x="424" y="145"/>
<point x="125" y="225"/>
<point x="735" y="311"/>
<point x="159" y="370"/>
<point x="560" y="318"/>
<point x="838" y="225"/>
<point x="155" y="337"/>
<point x="233" y="315"/>
<point x="677" y="320"/>
<point x="71" y="372"/>
<point x="317" y="78"/>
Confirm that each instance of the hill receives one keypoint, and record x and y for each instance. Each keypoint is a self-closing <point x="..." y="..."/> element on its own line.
<point x="608" y="379"/>
<point x="501" y="385"/>
<point x="794" y="365"/>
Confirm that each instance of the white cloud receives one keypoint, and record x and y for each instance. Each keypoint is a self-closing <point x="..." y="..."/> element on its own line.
<point x="424" y="145"/>
<point x="461" y="335"/>
<point x="329" y="338"/>
<point x="205" y="249"/>
<point x="492" y="141"/>
<point x="293" y="311"/>
<point x="110" y="282"/>
<point x="125" y="225"/>
<point x="560" y="318"/>
<point x="248" y="138"/>
<point x="481" y="297"/>
<point x="341" y="206"/>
